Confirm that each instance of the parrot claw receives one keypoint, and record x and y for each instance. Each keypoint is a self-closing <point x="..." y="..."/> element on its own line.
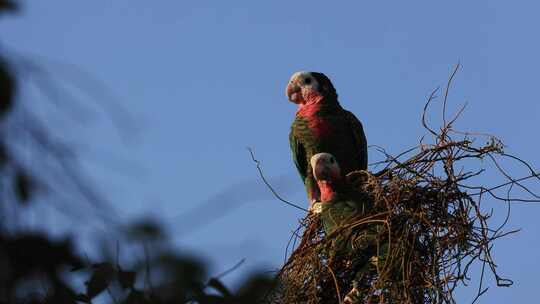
<point x="316" y="207"/>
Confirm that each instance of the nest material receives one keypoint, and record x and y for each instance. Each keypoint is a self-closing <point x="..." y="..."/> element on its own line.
<point x="424" y="230"/>
<point x="414" y="245"/>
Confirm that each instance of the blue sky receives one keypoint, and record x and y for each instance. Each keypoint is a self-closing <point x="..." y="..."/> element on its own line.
<point x="203" y="80"/>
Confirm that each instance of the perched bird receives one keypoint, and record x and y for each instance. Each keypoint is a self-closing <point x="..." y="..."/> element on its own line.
<point x="339" y="206"/>
<point x="338" y="202"/>
<point x="322" y="125"/>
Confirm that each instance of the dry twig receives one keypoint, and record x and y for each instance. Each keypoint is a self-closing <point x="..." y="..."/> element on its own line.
<point x="423" y="233"/>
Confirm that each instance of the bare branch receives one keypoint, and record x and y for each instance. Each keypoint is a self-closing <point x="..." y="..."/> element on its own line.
<point x="258" y="163"/>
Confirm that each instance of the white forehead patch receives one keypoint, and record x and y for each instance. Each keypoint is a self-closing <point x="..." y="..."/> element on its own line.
<point x="325" y="157"/>
<point x="301" y="76"/>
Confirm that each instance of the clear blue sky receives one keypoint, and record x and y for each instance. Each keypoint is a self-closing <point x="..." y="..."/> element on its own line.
<point x="203" y="80"/>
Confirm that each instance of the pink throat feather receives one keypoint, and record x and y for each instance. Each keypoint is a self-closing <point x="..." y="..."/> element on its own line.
<point x="328" y="190"/>
<point x="309" y="109"/>
<point x="312" y="103"/>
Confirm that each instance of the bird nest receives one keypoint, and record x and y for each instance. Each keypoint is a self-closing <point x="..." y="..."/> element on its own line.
<point x="424" y="231"/>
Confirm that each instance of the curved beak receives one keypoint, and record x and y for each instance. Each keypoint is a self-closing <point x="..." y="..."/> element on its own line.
<point x="293" y="92"/>
<point x="322" y="173"/>
<point x="320" y="170"/>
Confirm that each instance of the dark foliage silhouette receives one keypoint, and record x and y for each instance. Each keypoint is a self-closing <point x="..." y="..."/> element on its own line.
<point x="38" y="268"/>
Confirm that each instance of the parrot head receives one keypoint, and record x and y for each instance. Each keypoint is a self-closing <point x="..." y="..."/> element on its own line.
<point x="325" y="167"/>
<point x="327" y="173"/>
<point x="310" y="87"/>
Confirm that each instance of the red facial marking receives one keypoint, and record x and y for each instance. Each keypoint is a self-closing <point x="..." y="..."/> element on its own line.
<point x="319" y="126"/>
<point x="308" y="110"/>
<point x="328" y="192"/>
<point x="328" y="179"/>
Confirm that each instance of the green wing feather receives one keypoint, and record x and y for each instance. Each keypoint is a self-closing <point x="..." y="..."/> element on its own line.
<point x="359" y="137"/>
<point x="299" y="155"/>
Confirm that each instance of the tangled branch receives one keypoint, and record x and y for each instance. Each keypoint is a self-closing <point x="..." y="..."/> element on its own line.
<point x="425" y="230"/>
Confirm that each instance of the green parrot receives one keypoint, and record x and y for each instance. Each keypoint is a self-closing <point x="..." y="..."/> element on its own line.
<point x="338" y="202"/>
<point x="322" y="125"/>
<point x="339" y="206"/>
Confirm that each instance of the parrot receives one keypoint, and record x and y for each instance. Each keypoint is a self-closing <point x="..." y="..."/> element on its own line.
<point x="322" y="125"/>
<point x="338" y="202"/>
<point x="340" y="205"/>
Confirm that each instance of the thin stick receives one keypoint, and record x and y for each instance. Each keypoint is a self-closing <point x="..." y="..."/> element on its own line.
<point x="258" y="163"/>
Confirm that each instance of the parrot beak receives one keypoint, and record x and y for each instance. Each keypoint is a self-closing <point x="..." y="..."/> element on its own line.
<point x="323" y="170"/>
<point x="322" y="173"/>
<point x="293" y="92"/>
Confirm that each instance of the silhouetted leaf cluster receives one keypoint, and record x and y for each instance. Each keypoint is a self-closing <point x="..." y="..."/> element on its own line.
<point x="8" y="5"/>
<point x="7" y="88"/>
<point x="37" y="268"/>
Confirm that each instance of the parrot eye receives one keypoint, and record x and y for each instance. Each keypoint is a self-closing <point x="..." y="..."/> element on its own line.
<point x="307" y="81"/>
<point x="332" y="160"/>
